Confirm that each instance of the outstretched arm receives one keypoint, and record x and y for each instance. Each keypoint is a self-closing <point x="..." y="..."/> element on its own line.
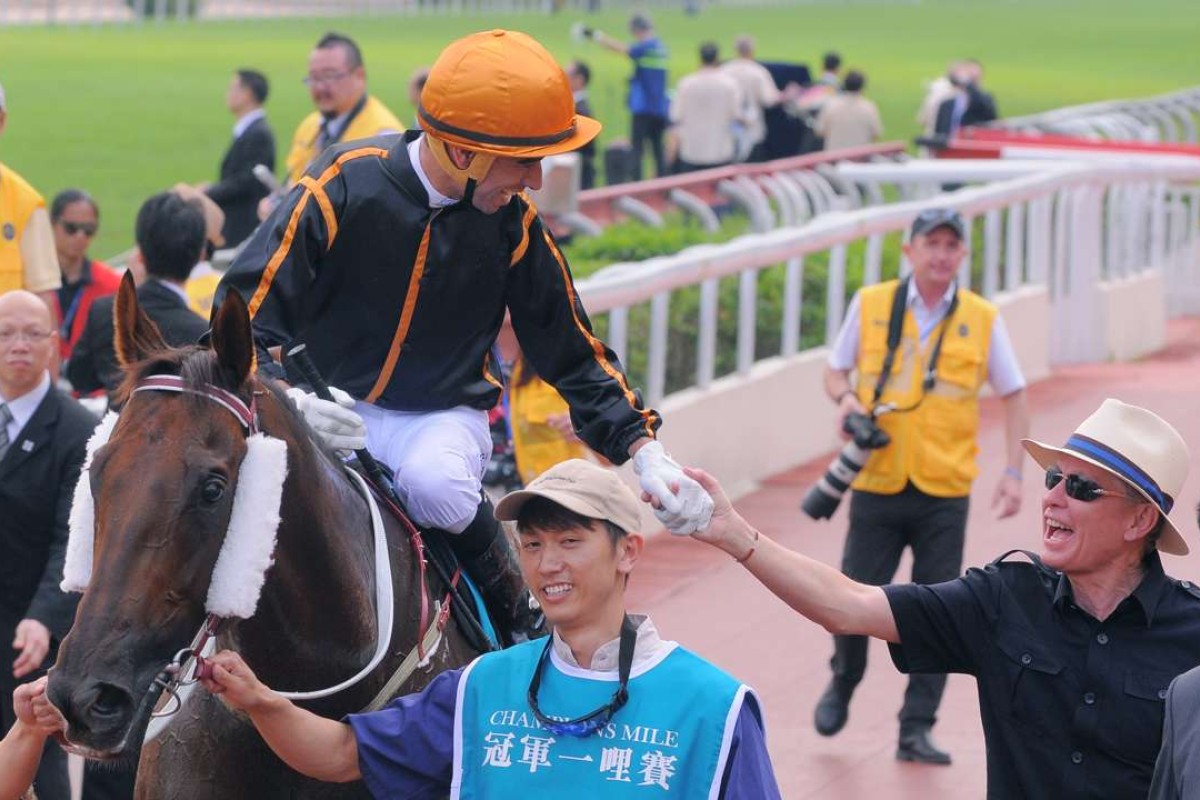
<point x="609" y="43"/>
<point x="314" y="746"/>
<point x="816" y="590"/>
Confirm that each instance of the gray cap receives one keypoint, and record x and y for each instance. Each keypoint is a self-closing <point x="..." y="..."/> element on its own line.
<point x="640" y="22"/>
<point x="933" y="218"/>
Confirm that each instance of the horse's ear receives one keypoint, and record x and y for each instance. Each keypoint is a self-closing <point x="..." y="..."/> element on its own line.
<point x="135" y="335"/>
<point x="232" y="337"/>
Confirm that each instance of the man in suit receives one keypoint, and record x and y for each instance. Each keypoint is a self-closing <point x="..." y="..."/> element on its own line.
<point x="170" y="239"/>
<point x="43" y="434"/>
<point x="238" y="192"/>
<point x="344" y="110"/>
<point x="969" y="105"/>
<point x="580" y="75"/>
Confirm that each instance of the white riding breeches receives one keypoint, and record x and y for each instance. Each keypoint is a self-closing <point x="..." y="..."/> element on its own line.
<point x="437" y="459"/>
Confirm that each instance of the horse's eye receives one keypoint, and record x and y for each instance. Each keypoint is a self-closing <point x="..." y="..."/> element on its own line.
<point x="213" y="489"/>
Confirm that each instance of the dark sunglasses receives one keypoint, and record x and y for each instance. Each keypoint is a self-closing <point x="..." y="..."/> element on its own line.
<point x="594" y="721"/>
<point x="1078" y="487"/>
<point x="86" y="228"/>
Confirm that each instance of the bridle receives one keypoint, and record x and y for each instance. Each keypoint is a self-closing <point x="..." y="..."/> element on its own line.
<point x="189" y="664"/>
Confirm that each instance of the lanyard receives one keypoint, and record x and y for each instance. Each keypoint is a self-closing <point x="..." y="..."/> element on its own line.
<point x="895" y="326"/>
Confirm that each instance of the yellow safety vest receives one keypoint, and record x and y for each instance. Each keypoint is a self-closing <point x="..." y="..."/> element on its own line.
<point x="933" y="446"/>
<point x="18" y="201"/>
<point x="373" y="119"/>
<point x="536" y="445"/>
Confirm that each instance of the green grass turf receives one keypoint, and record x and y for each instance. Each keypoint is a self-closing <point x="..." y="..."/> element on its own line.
<point x="127" y="111"/>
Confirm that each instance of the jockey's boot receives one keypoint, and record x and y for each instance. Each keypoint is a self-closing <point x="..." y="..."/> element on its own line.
<point x="487" y="555"/>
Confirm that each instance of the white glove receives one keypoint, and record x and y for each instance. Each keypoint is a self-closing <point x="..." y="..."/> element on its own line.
<point x="336" y="424"/>
<point x="684" y="513"/>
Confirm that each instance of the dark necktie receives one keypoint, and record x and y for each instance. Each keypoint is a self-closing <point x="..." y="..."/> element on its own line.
<point x="5" y="418"/>
<point x="325" y="138"/>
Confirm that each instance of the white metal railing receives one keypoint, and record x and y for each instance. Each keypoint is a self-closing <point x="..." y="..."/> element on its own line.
<point x="1066" y="226"/>
<point x="1165" y="118"/>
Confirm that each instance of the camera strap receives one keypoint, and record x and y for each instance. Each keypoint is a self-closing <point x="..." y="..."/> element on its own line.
<point x="896" y="328"/>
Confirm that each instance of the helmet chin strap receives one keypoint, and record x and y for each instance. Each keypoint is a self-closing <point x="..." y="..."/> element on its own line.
<point x="466" y="178"/>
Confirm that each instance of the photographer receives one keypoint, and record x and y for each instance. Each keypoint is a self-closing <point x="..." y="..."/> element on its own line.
<point x="913" y="491"/>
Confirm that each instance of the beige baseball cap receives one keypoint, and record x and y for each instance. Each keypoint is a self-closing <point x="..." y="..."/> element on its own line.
<point x="582" y="487"/>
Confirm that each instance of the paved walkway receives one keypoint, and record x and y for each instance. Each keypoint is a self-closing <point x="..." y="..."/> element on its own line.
<point x="699" y="597"/>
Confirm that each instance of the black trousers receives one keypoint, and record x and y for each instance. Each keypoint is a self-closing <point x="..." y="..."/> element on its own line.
<point x="881" y="526"/>
<point x="648" y="129"/>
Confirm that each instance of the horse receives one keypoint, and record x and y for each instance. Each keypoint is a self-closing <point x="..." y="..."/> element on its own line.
<point x="164" y="489"/>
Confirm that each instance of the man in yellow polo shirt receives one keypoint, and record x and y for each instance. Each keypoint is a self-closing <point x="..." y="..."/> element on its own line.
<point x="27" y="257"/>
<point x="337" y="82"/>
<point x="914" y="491"/>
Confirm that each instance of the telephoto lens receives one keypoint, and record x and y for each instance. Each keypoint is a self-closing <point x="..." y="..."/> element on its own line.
<point x="824" y="497"/>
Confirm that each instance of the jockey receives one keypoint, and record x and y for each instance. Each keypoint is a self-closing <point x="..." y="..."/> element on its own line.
<point x="395" y="258"/>
<point x="605" y="708"/>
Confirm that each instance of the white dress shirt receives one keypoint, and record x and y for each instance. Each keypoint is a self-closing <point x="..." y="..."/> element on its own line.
<point x="22" y="408"/>
<point x="246" y="120"/>
<point x="649" y="650"/>
<point x="436" y="198"/>
<point x="1003" y="369"/>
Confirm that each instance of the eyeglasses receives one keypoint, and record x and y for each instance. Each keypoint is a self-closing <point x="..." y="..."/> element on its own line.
<point x="594" y="721"/>
<point x="1078" y="487"/>
<point x="324" y="80"/>
<point x="32" y="335"/>
<point x="88" y="229"/>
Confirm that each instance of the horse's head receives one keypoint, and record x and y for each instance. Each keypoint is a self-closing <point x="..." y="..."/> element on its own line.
<point x="162" y="490"/>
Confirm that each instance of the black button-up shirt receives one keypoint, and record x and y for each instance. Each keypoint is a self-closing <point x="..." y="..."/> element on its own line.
<point x="1072" y="707"/>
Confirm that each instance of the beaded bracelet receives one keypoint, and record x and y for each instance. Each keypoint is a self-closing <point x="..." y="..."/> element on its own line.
<point x="753" y="547"/>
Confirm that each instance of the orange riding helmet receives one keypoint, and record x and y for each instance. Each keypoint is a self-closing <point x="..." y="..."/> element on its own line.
<point x="499" y="93"/>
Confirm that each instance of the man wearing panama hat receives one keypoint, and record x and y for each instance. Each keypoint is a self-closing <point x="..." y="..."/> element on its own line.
<point x="395" y="259"/>
<point x="1072" y="650"/>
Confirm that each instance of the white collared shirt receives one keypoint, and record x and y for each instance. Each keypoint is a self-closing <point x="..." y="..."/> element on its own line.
<point x="23" y="408"/>
<point x="174" y="287"/>
<point x="436" y="198"/>
<point x="1003" y="369"/>
<point x="646" y="651"/>
<point x="246" y="120"/>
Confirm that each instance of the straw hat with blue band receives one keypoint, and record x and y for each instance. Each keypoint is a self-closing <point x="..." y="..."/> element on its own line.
<point x="1137" y="446"/>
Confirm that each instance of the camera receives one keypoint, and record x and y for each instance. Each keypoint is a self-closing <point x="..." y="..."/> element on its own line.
<point x="865" y="435"/>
